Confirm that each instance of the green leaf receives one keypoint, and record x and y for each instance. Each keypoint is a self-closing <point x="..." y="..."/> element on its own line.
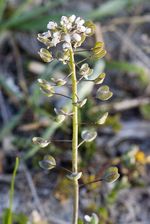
<point x="145" y="110"/>
<point x="3" y="4"/>
<point x="125" y="66"/>
<point x="111" y="8"/>
<point x="31" y="20"/>
<point x="11" y="193"/>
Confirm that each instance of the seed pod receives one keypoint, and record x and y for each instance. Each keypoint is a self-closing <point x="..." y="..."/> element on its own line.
<point x="59" y="82"/>
<point x="111" y="174"/>
<point x="100" y="78"/>
<point x="45" y="55"/>
<point x="103" y="93"/>
<point x="47" y="163"/>
<point x="98" y="50"/>
<point x="88" y="136"/>
<point x="74" y="176"/>
<point x="43" y="39"/>
<point x="81" y="103"/>
<point x="92" y="219"/>
<point x="85" y="70"/>
<point x="102" y="119"/>
<point x="60" y="118"/>
<point x="40" y="141"/>
<point x="46" y="87"/>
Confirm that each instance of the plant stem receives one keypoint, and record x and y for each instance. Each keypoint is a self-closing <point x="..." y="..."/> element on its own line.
<point x="74" y="138"/>
<point x="11" y="194"/>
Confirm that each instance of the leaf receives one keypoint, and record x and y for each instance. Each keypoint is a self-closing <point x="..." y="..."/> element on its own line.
<point x="31" y="20"/>
<point x="125" y="66"/>
<point x="111" y="7"/>
<point x="145" y="110"/>
<point x="11" y="193"/>
<point x="88" y="136"/>
<point x="47" y="163"/>
<point x="3" y="4"/>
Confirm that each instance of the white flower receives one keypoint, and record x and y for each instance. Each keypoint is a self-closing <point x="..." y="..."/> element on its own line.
<point x="88" y="30"/>
<point x="79" y="21"/>
<point x="72" y="18"/>
<point x="87" y="218"/>
<point x="65" y="22"/>
<point x="46" y="34"/>
<point x="66" y="46"/>
<point x="81" y="29"/>
<point x="56" y="38"/>
<point x="51" y="25"/>
<point x="67" y="38"/>
<point x="76" y="37"/>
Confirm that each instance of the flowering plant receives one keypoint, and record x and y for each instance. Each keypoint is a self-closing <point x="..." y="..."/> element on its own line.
<point x="61" y="42"/>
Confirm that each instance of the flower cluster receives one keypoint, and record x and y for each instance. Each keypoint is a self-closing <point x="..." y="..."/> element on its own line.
<point x="70" y="33"/>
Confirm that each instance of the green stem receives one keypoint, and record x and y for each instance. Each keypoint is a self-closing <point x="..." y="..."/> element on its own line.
<point x="74" y="138"/>
<point x="11" y="195"/>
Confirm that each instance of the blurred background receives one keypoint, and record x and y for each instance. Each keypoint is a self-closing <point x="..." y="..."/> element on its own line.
<point x="124" y="140"/>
